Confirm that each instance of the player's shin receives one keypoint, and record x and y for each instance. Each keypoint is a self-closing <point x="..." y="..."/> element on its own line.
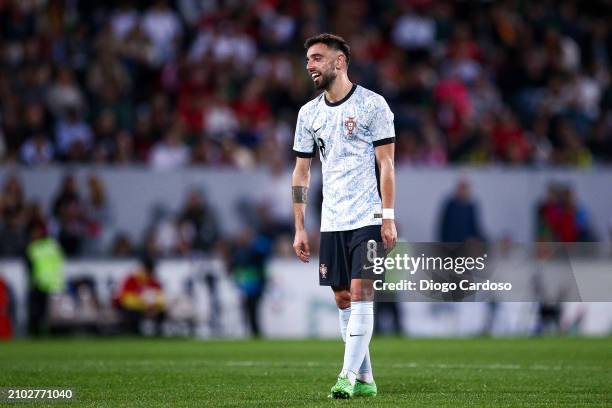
<point x="343" y="316"/>
<point x="365" y="370"/>
<point x="358" y="335"/>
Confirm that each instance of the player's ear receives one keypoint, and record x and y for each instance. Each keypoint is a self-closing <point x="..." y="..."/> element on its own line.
<point x="339" y="60"/>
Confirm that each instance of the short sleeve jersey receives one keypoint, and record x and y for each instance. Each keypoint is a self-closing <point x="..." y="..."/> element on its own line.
<point x="346" y="133"/>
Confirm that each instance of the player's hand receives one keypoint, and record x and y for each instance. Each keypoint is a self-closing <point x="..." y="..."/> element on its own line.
<point x="389" y="234"/>
<point x="301" y="247"/>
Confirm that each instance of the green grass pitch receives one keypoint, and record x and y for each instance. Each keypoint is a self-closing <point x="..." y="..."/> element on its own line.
<point x="555" y="372"/>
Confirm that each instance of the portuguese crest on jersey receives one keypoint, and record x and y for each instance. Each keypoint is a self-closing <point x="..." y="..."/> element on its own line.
<point x="350" y="124"/>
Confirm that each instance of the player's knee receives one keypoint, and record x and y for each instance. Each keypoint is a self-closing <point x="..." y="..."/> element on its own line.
<point x="362" y="290"/>
<point x="343" y="303"/>
<point x="343" y="299"/>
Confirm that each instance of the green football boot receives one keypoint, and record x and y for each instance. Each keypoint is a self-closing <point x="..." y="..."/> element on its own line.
<point x="343" y="389"/>
<point x="364" y="389"/>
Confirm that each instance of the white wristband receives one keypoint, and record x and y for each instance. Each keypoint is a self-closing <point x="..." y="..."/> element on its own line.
<point x="388" y="214"/>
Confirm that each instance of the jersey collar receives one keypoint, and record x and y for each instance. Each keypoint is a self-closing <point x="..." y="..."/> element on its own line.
<point x="341" y="101"/>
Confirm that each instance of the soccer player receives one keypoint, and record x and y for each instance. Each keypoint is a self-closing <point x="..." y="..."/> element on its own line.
<point x="353" y="130"/>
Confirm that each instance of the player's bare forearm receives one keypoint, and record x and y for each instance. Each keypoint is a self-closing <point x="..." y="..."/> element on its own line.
<point x="385" y="158"/>
<point x="300" y="182"/>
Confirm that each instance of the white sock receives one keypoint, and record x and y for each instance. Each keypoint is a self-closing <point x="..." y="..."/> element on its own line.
<point x="358" y="335"/>
<point x="365" y="371"/>
<point x="344" y="315"/>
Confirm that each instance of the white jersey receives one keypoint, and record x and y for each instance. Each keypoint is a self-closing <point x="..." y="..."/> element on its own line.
<point x="346" y="133"/>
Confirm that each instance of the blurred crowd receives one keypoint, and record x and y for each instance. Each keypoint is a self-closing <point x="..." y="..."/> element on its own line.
<point x="79" y="222"/>
<point x="559" y="217"/>
<point x="219" y="83"/>
<point x="80" y="217"/>
<point x="83" y="223"/>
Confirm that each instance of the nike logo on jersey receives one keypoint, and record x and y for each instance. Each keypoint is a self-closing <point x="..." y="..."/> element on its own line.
<point x="355" y="335"/>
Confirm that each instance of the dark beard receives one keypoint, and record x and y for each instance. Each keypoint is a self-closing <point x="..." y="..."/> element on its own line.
<point x="327" y="80"/>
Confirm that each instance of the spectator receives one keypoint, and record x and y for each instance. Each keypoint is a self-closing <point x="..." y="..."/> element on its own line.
<point x="13" y="236"/>
<point x="538" y="138"/>
<point x="124" y="19"/>
<point x="414" y="30"/>
<point x="123" y="148"/>
<point x="150" y="247"/>
<point x="65" y="94"/>
<point x="200" y="219"/>
<point x="35" y="120"/>
<point x="509" y="141"/>
<point x="571" y="149"/>
<point x="37" y="150"/>
<point x="69" y="191"/>
<point x="13" y="217"/>
<point x="141" y="298"/>
<point x="7" y="310"/>
<point x="162" y="236"/>
<point x="74" y="137"/>
<point x="45" y="261"/>
<point x="433" y="152"/>
<point x="247" y="262"/>
<point x="464" y="56"/>
<point x="162" y="26"/>
<point x="548" y="214"/>
<point x="485" y="98"/>
<point x="143" y="137"/>
<point x="99" y="217"/>
<point x="13" y="196"/>
<point x="460" y="221"/>
<point x="70" y="216"/>
<point x="170" y="153"/>
<point x="105" y="131"/>
<point x="72" y="224"/>
<point x="108" y="71"/>
<point x="203" y="152"/>
<point x="274" y="195"/>
<point x="220" y="120"/>
<point x="454" y="106"/>
<point x="561" y="219"/>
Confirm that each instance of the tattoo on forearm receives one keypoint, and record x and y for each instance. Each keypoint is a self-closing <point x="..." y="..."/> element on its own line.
<point x="299" y="194"/>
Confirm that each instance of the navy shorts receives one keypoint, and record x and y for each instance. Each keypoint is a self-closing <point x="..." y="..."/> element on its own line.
<point x="343" y="256"/>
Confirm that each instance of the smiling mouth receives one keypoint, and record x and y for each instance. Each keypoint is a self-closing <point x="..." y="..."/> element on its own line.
<point x="315" y="76"/>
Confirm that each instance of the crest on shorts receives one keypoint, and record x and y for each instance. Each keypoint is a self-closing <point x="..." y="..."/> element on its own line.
<point x="350" y="124"/>
<point x="323" y="271"/>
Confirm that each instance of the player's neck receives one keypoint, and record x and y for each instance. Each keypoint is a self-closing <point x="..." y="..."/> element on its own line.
<point x="339" y="89"/>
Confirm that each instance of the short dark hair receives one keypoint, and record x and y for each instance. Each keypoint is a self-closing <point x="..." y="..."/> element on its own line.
<point x="332" y="41"/>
